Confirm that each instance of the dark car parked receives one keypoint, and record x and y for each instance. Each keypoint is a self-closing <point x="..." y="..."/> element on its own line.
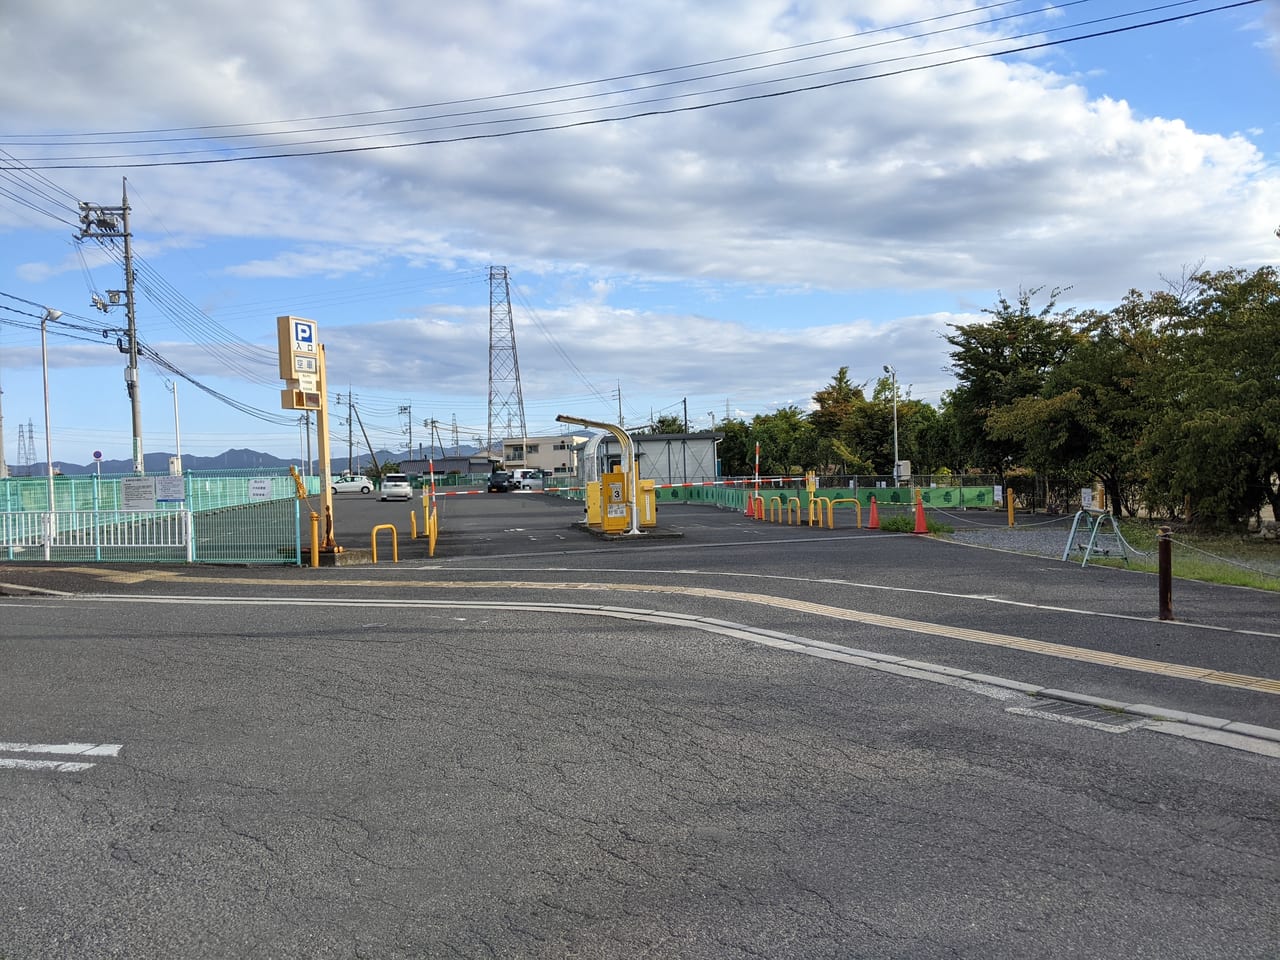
<point x="501" y="482"/>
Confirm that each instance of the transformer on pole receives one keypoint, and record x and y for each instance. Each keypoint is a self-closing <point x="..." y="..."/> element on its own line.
<point x="506" y="402"/>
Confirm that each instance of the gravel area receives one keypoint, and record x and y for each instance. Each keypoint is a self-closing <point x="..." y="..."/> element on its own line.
<point x="1049" y="540"/>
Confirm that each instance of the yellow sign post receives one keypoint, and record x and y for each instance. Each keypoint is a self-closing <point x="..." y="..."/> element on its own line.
<point x="302" y="368"/>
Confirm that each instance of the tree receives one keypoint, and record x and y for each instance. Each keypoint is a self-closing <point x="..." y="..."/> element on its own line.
<point x="788" y="441"/>
<point x="736" y="448"/>
<point x="1215" y="438"/>
<point x="665" y="423"/>
<point x="1000" y="361"/>
<point x="836" y="403"/>
<point x="1089" y="416"/>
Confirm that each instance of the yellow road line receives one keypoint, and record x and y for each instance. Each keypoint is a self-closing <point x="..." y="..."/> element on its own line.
<point x="1024" y="644"/>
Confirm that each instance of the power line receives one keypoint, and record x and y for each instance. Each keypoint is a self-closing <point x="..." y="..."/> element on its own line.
<point x="326" y="147"/>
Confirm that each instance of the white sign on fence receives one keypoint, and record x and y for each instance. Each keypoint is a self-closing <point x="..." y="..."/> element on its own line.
<point x="137" y="493"/>
<point x="260" y="488"/>
<point x="171" y="489"/>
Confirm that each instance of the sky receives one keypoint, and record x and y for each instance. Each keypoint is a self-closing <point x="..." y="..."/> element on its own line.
<point x="705" y="208"/>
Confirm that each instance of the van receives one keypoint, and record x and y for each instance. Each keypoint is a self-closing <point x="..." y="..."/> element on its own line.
<point x="526" y="478"/>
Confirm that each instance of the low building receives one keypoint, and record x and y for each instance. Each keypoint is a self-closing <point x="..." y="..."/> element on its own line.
<point x="557" y="455"/>
<point x="666" y="457"/>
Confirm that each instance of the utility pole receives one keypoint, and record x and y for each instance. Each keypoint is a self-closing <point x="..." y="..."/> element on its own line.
<point x="177" y="431"/>
<point x="107" y="225"/>
<point x="433" y="434"/>
<point x="4" y="467"/>
<point x="407" y="411"/>
<point x="350" y="404"/>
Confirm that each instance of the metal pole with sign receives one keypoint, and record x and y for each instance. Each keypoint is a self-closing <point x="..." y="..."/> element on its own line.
<point x="302" y="368"/>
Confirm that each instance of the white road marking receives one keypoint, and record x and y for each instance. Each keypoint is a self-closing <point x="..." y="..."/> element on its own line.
<point x="58" y="766"/>
<point x="79" y="749"/>
<point x="56" y="749"/>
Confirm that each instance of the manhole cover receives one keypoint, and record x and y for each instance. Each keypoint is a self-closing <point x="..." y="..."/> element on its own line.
<point x="1079" y="713"/>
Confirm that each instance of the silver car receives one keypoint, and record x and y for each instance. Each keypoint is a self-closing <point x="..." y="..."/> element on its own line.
<point x="396" y="486"/>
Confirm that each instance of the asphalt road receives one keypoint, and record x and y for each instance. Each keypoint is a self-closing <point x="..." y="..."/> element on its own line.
<point x="700" y="743"/>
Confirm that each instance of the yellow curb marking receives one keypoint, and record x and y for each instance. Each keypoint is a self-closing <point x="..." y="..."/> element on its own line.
<point x="1044" y="648"/>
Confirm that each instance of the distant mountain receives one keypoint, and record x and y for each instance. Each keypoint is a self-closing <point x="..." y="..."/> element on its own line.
<point x="158" y="462"/>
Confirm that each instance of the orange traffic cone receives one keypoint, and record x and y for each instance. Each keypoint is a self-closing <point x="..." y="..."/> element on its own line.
<point x="921" y="525"/>
<point x="874" y="522"/>
<point x="751" y="506"/>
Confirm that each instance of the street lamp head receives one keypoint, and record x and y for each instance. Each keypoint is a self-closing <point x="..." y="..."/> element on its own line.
<point x="52" y="315"/>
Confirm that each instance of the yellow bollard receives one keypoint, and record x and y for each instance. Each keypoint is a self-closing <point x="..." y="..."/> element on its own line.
<point x="395" y="547"/>
<point x="315" y="539"/>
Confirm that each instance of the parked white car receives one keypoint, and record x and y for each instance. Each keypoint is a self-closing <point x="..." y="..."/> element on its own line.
<point x="396" y="486"/>
<point x="351" y="484"/>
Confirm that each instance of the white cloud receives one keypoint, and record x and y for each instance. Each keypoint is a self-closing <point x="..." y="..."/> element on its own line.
<point x="964" y="179"/>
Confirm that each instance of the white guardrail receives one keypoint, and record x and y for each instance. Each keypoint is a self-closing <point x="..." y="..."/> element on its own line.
<point x="67" y="531"/>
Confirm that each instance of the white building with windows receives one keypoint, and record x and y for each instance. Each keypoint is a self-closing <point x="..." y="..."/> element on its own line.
<point x="557" y="455"/>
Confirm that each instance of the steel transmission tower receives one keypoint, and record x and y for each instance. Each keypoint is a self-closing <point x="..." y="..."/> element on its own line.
<point x="506" y="402"/>
<point x="27" y="448"/>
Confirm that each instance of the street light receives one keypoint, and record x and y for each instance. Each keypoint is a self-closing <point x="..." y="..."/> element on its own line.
<point x="893" y="374"/>
<point x="177" y="431"/>
<point x="49" y="315"/>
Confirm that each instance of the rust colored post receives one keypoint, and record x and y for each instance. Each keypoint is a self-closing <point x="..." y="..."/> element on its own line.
<point x="1164" y="543"/>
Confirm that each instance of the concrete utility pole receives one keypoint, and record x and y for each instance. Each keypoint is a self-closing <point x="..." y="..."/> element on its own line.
<point x="107" y="225"/>
<point x="407" y="411"/>
<point x="4" y="467"/>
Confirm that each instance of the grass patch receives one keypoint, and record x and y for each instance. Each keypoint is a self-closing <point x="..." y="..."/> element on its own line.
<point x="1213" y="558"/>
<point x="906" y="523"/>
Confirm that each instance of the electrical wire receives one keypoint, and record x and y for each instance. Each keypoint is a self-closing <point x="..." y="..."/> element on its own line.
<point x="544" y="122"/>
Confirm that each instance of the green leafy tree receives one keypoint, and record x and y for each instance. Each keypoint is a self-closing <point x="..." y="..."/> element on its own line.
<point x="1086" y="423"/>
<point x="665" y="423"/>
<point x="836" y="402"/>
<point x="736" y="448"/>
<point x="788" y="441"/>
<point x="1215" y="434"/>
<point x="1000" y="361"/>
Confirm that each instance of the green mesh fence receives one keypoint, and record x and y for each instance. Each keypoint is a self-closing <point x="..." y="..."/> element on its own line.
<point x="210" y="518"/>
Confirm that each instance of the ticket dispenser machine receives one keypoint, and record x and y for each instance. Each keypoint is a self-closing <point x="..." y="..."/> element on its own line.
<point x="616" y="513"/>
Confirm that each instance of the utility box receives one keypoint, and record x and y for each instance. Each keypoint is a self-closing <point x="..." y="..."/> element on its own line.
<point x="595" y="508"/>
<point x="647" y="503"/>
<point x="902" y="472"/>
<point x="616" y="508"/>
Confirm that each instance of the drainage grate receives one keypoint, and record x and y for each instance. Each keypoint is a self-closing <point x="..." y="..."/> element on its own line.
<point x="1080" y="713"/>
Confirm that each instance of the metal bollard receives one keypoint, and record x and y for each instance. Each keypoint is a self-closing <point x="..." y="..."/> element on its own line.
<point x="1164" y="543"/>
